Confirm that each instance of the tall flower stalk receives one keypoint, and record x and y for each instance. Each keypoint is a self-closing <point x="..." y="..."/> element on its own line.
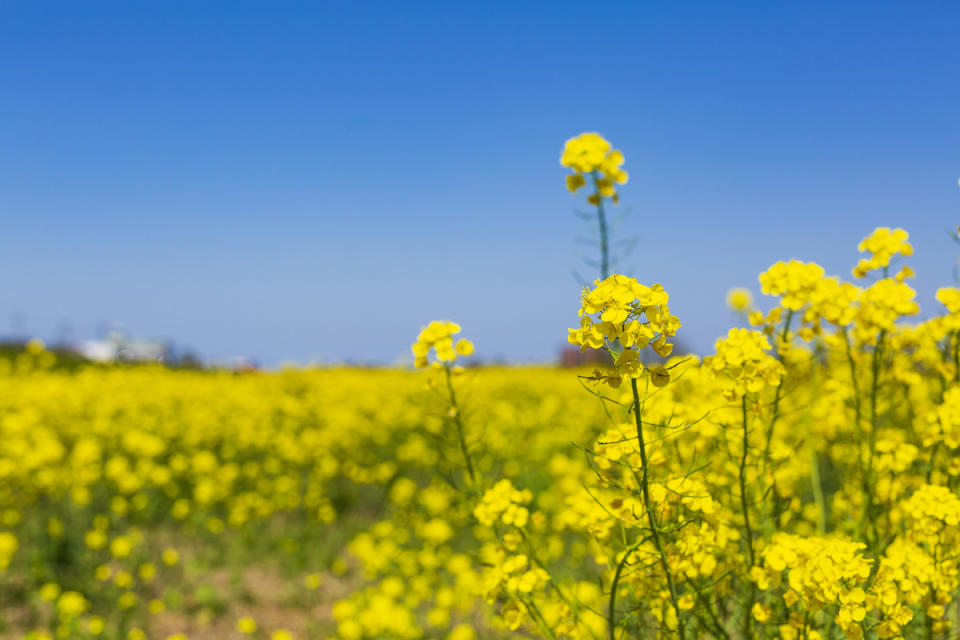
<point x="630" y="317"/>
<point x="438" y="337"/>
<point x="592" y="159"/>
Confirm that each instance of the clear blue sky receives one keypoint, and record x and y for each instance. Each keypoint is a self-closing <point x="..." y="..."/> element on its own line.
<point x="316" y="180"/>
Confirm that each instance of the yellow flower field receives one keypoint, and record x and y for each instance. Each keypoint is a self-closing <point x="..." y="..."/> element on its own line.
<point x="799" y="482"/>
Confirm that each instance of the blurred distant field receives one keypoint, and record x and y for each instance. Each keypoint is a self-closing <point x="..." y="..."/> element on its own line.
<point x="183" y="501"/>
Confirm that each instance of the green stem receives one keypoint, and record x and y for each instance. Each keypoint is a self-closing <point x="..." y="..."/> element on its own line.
<point x="537" y="617"/>
<point x="743" y="482"/>
<point x="956" y="357"/>
<point x="858" y="412"/>
<point x="768" y="436"/>
<point x="718" y="627"/>
<point x="872" y="443"/>
<point x="815" y="478"/>
<point x="933" y="460"/>
<point x="776" y="397"/>
<point x="818" y="492"/>
<point x="460" y="434"/>
<point x="748" y="619"/>
<point x="602" y="221"/>
<point x="872" y="440"/>
<point x="611" y="608"/>
<point x="648" y="505"/>
<point x="853" y="377"/>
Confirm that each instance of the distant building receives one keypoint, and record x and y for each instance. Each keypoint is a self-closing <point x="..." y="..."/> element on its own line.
<point x="572" y="357"/>
<point x="118" y="348"/>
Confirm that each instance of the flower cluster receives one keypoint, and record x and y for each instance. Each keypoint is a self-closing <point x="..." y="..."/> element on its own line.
<point x="883" y="245"/>
<point x="950" y="298"/>
<point x="882" y="304"/>
<point x="438" y="335"/>
<point x="820" y="572"/>
<point x="505" y="503"/>
<point x="514" y="575"/>
<point x="794" y="281"/>
<point x="632" y="317"/>
<point x="590" y="154"/>
<point x="743" y="360"/>
<point x="942" y="427"/>
<point x="931" y="511"/>
<point x="833" y="301"/>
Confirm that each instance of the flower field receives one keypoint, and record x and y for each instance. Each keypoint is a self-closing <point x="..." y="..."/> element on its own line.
<point x="799" y="482"/>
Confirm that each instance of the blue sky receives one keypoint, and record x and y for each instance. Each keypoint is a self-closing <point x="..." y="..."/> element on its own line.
<point x="317" y="180"/>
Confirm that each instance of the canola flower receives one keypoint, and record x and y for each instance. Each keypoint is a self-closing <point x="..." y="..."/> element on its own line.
<point x="742" y="360"/>
<point x="622" y="316"/>
<point x="438" y="338"/>
<point x="591" y="155"/>
<point x="884" y="245"/>
<point x="595" y="164"/>
<point x="740" y="299"/>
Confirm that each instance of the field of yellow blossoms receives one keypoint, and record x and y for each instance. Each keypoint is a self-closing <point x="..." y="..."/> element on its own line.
<point x="799" y="482"/>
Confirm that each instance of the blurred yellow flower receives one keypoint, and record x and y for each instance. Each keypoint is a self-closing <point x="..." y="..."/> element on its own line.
<point x="739" y="299"/>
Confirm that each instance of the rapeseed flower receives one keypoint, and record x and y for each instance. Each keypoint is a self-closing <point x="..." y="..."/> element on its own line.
<point x="591" y="155"/>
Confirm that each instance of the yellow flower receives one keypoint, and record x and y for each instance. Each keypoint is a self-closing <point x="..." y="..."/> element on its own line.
<point x="438" y="336"/>
<point x="49" y="591"/>
<point x="591" y="154"/>
<point x="246" y="625"/>
<point x="739" y="299"/>
<point x="634" y="314"/>
<point x="464" y="347"/>
<point x="170" y="557"/>
<point x="884" y="244"/>
<point x="761" y="612"/>
<point x="95" y="625"/>
<point x="71" y="604"/>
<point x="127" y="600"/>
<point x="950" y="298"/>
<point x="121" y="546"/>
<point x="8" y="546"/>
<point x="794" y="281"/>
<point x="742" y="360"/>
<point x="147" y="571"/>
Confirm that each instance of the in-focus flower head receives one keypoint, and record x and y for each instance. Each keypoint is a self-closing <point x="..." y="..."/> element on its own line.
<point x="438" y="335"/>
<point x="590" y="154"/>
<point x="629" y="313"/>
<point x="883" y="245"/>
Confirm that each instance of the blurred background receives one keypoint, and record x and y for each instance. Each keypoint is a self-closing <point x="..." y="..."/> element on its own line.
<point x="252" y="183"/>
